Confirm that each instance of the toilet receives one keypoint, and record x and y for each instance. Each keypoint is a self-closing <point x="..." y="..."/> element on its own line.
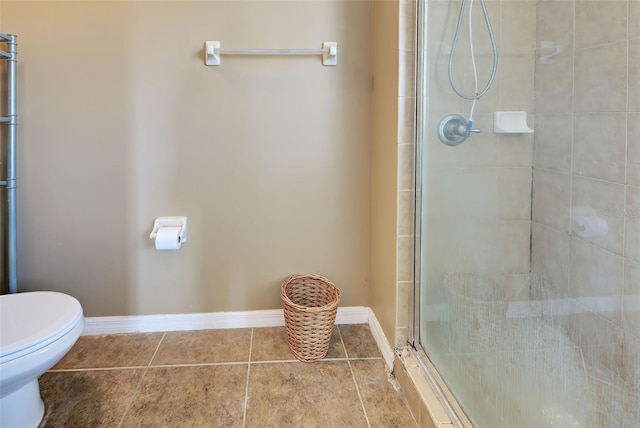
<point x="36" y="330"/>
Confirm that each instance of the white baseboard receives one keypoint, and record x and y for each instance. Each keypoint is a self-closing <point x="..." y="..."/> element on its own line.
<point x="381" y="340"/>
<point x="220" y="320"/>
<point x="205" y="321"/>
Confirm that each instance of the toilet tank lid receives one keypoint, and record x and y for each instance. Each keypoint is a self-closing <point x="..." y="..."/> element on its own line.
<point x="33" y="317"/>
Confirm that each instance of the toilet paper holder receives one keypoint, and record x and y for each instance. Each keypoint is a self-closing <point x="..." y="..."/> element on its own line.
<point x="176" y="221"/>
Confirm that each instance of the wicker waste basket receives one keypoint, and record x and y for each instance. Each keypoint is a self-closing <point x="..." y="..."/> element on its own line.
<point x="310" y="304"/>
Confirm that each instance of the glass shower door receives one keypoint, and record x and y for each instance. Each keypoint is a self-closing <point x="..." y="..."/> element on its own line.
<point x="529" y="278"/>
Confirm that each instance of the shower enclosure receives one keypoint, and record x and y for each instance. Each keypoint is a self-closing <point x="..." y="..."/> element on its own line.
<point x="528" y="244"/>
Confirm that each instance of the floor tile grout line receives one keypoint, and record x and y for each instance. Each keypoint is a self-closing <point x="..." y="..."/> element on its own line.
<point x="157" y="349"/>
<point x="246" y="390"/>
<point x="344" y="348"/>
<point x="227" y="363"/>
<point x="355" y="382"/>
<point x="223" y="363"/>
<point x="144" y="374"/>
<point x="319" y="361"/>
<point x="95" y="369"/>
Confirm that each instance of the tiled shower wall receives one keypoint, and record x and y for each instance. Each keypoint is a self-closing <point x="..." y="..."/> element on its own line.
<point x="477" y="201"/>
<point x="496" y="166"/>
<point x="406" y="183"/>
<point x="587" y="163"/>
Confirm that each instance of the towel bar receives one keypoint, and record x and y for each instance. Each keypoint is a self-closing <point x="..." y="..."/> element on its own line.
<point x="212" y="52"/>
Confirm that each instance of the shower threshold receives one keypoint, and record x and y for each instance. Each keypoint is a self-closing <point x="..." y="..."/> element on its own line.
<point x="430" y="400"/>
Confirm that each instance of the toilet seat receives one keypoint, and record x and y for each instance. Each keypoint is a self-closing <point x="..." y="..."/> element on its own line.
<point x="33" y="320"/>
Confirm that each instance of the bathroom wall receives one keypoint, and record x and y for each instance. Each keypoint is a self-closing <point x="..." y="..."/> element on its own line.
<point x="587" y="163"/>
<point x="121" y="122"/>
<point x="384" y="165"/>
<point x="392" y="180"/>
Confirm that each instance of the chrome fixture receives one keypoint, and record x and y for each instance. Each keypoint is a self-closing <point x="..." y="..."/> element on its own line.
<point x="454" y="129"/>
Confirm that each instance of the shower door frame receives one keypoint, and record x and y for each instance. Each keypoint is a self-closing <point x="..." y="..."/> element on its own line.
<point x="421" y="77"/>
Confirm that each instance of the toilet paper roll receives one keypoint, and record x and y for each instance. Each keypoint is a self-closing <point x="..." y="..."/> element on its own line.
<point x="168" y="238"/>
<point x="589" y="226"/>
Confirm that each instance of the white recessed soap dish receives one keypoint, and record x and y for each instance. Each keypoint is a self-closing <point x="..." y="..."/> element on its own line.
<point x="511" y="122"/>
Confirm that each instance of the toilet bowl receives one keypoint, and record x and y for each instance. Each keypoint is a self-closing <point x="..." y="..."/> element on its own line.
<point x="36" y="330"/>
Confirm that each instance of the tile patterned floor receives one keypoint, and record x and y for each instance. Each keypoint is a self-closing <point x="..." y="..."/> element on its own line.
<point x="221" y="378"/>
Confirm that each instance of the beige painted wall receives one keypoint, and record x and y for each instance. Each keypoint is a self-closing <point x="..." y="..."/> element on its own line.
<point x="121" y="122"/>
<point x="384" y="165"/>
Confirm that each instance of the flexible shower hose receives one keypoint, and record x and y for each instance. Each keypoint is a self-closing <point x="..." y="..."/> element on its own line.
<point x="476" y="95"/>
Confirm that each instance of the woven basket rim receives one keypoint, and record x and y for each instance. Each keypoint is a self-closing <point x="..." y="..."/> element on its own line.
<point x="303" y="308"/>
